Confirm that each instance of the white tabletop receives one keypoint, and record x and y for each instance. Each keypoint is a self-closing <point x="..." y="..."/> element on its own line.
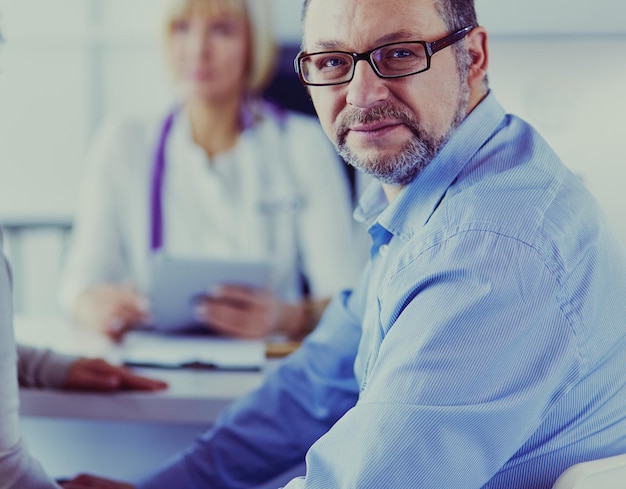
<point x="193" y="396"/>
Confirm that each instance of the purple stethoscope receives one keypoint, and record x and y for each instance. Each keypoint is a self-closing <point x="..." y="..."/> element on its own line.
<point x="156" y="194"/>
<point x="247" y="120"/>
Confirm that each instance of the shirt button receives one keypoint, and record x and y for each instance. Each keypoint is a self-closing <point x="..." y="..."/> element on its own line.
<point x="383" y="250"/>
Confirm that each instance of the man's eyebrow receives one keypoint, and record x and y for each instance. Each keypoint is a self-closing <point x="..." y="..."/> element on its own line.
<point x="331" y="45"/>
<point x="399" y="36"/>
<point x="326" y="46"/>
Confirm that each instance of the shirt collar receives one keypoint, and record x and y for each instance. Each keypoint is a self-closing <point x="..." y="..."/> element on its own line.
<point x="418" y="200"/>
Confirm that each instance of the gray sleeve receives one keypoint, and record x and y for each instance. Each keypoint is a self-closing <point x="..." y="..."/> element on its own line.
<point x="17" y="469"/>
<point x="42" y="367"/>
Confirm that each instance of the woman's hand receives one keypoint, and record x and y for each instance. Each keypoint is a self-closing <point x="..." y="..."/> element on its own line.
<point x="247" y="313"/>
<point x="95" y="374"/>
<point x="113" y="309"/>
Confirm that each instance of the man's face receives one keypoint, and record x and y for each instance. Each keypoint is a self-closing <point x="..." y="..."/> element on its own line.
<point x="390" y="128"/>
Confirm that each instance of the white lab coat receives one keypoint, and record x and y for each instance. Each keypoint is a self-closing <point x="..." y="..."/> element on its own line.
<point x="281" y="194"/>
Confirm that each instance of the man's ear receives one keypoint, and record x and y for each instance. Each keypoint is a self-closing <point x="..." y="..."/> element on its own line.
<point x="479" y="53"/>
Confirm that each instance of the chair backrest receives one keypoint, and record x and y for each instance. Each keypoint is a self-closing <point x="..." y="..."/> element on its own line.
<point x="603" y="473"/>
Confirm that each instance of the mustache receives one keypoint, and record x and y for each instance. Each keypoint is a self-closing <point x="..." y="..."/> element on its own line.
<point x="355" y="117"/>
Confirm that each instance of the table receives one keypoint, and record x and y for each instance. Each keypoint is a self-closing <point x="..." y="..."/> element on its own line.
<point x="193" y="396"/>
<point x="123" y="435"/>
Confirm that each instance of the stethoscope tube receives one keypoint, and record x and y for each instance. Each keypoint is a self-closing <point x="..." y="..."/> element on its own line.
<point x="158" y="176"/>
<point x="247" y="120"/>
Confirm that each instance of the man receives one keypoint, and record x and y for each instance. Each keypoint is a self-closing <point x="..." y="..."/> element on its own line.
<point x="485" y="343"/>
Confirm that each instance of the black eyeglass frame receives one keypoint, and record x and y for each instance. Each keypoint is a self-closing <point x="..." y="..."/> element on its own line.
<point x="429" y="47"/>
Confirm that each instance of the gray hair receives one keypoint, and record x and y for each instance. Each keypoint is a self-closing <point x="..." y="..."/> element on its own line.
<point x="456" y="14"/>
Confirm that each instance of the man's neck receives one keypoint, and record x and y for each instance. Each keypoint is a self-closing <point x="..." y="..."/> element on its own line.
<point x="392" y="191"/>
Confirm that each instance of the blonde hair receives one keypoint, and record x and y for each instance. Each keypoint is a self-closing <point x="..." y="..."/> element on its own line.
<point x="263" y="48"/>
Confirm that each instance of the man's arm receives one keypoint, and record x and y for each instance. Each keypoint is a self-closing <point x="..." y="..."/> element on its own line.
<point x="270" y="430"/>
<point x="470" y="358"/>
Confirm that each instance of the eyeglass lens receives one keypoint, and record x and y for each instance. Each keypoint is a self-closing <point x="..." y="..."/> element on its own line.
<point x="394" y="60"/>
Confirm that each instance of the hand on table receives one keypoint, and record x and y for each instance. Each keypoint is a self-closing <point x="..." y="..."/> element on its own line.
<point x="84" y="481"/>
<point x="246" y="313"/>
<point x="113" y="309"/>
<point x="95" y="374"/>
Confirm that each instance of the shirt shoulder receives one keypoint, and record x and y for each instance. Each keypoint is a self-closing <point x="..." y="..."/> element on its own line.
<point x="514" y="185"/>
<point x="122" y="144"/>
<point x="512" y="190"/>
<point x="134" y="130"/>
<point x="519" y="188"/>
<point x="300" y="138"/>
<point x="307" y="139"/>
<point x="295" y="124"/>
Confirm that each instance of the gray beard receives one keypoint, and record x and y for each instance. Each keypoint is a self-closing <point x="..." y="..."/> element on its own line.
<point x="403" y="167"/>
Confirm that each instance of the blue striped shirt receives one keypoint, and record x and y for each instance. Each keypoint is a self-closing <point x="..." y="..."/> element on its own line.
<point x="484" y="347"/>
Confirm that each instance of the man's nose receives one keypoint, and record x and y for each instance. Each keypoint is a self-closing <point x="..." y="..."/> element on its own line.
<point x="366" y="89"/>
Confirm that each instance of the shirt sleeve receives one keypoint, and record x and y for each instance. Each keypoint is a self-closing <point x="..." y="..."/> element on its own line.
<point x="17" y="469"/>
<point x="42" y="367"/>
<point x="473" y="353"/>
<point x="269" y="431"/>
<point x="333" y="247"/>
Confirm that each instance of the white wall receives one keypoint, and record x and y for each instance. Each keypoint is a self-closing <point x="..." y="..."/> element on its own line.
<point x="68" y="63"/>
<point x="573" y="91"/>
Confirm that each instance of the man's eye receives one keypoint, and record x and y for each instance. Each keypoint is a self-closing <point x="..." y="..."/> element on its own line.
<point x="331" y="63"/>
<point x="402" y="54"/>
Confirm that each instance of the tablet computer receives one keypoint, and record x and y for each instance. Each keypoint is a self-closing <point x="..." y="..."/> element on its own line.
<point x="176" y="284"/>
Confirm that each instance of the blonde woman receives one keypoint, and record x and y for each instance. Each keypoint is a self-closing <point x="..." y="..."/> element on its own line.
<point x="224" y="174"/>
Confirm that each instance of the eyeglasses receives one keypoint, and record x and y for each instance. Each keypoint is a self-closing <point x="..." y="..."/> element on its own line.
<point x="394" y="60"/>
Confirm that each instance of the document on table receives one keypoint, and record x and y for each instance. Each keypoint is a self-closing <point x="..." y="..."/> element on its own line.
<point x="156" y="350"/>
